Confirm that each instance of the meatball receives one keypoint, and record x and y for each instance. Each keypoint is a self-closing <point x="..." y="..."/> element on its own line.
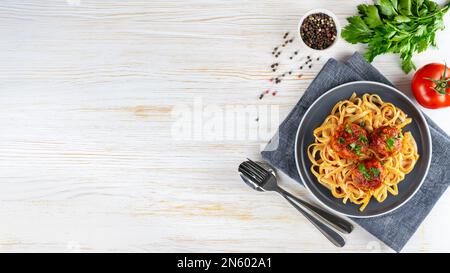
<point x="368" y="174"/>
<point x="350" y="141"/>
<point x="386" y="140"/>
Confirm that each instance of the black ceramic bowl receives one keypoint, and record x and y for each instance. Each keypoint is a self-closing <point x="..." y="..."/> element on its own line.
<point x="315" y="116"/>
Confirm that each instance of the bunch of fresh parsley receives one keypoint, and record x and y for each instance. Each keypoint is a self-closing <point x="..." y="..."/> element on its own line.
<point x="396" y="26"/>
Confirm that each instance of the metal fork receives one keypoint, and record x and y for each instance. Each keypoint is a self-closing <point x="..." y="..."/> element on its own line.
<point x="264" y="179"/>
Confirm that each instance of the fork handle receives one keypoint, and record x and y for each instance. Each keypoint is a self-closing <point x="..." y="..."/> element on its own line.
<point x="333" y="220"/>
<point x="330" y="234"/>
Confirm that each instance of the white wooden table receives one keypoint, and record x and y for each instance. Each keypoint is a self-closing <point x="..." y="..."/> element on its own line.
<point x="89" y="160"/>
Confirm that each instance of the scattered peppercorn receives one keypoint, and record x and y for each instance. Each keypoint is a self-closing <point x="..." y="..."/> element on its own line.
<point x="307" y="61"/>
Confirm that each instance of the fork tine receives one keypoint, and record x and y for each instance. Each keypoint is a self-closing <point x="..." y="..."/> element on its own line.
<point x="250" y="171"/>
<point x="254" y="173"/>
<point x="253" y="169"/>
<point x="256" y="166"/>
<point x="250" y="176"/>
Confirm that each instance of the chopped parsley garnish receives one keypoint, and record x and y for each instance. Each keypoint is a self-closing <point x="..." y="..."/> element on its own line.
<point x="348" y="129"/>
<point x="375" y="172"/>
<point x="367" y="175"/>
<point x="399" y="136"/>
<point x="362" y="124"/>
<point x="363" y="170"/>
<point x="354" y="147"/>
<point x="390" y="143"/>
<point x="363" y="139"/>
<point x="341" y="140"/>
<point x="358" y="150"/>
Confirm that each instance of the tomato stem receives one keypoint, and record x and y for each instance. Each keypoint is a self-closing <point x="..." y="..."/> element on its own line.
<point x="442" y="84"/>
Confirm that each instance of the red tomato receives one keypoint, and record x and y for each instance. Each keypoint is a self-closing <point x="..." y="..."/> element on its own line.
<point x="431" y="86"/>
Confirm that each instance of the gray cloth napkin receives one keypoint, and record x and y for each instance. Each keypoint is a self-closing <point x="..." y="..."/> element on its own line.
<point x="397" y="227"/>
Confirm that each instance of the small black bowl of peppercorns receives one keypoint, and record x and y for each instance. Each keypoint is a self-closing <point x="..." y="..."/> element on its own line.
<point x="319" y="29"/>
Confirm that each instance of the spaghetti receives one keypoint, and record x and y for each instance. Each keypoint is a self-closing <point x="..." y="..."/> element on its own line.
<point x="360" y="150"/>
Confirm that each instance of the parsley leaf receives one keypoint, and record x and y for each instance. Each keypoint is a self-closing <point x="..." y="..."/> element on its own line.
<point x="358" y="150"/>
<point x="390" y="143"/>
<point x="363" y="139"/>
<point x="386" y="7"/>
<point x="375" y="172"/>
<point x="341" y="140"/>
<point x="404" y="27"/>
<point x="348" y="129"/>
<point x="352" y="145"/>
<point x="363" y="170"/>
<point x="401" y="19"/>
<point x="394" y="3"/>
<point x="357" y="31"/>
<point x="404" y="7"/>
<point x="372" y="18"/>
